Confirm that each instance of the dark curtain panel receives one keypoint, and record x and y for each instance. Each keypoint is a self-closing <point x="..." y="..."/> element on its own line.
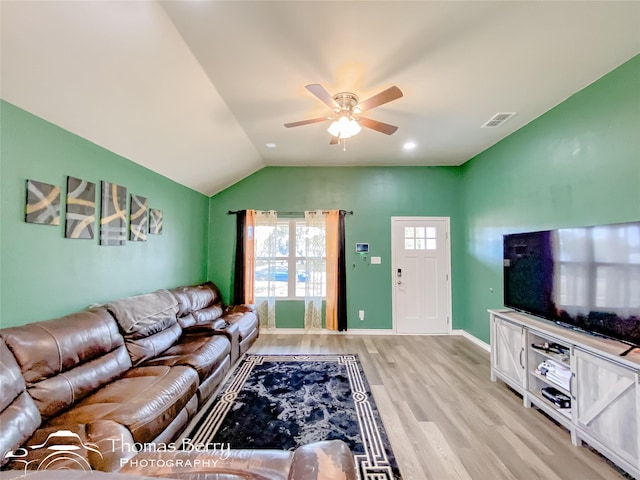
<point x="342" y="276"/>
<point x="238" y="278"/>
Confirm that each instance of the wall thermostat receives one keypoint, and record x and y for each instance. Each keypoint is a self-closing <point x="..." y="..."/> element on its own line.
<point x="362" y="248"/>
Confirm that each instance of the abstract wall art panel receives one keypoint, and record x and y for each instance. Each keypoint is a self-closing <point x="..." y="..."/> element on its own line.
<point x="138" y="221"/>
<point x="43" y="203"/>
<point x="81" y="208"/>
<point x="155" y="221"/>
<point x="113" y="218"/>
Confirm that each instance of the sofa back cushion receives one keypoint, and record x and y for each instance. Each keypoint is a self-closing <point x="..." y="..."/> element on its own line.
<point x="208" y="314"/>
<point x="148" y="323"/>
<point x="65" y="359"/>
<point x="198" y="304"/>
<point x="196" y="297"/>
<point x="19" y="416"/>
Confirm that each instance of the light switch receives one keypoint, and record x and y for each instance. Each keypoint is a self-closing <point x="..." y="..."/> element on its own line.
<point x="376" y="261"/>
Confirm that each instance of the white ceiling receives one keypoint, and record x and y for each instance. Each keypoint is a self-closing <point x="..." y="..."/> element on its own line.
<point x="194" y="90"/>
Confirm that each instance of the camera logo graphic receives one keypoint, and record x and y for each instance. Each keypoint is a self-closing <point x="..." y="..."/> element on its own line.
<point x="64" y="450"/>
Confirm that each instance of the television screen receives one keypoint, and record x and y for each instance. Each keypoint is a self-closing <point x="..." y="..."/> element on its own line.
<point x="587" y="277"/>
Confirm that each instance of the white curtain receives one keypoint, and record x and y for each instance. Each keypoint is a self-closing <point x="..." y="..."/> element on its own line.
<point x="315" y="283"/>
<point x="266" y="250"/>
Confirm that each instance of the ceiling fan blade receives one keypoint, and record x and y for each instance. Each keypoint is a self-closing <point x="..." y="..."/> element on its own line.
<point x="305" y="122"/>
<point x="319" y="91"/>
<point x="334" y="140"/>
<point x="378" y="126"/>
<point x="386" y="96"/>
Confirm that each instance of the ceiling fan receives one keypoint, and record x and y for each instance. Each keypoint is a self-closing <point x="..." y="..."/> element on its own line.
<point x="345" y="119"/>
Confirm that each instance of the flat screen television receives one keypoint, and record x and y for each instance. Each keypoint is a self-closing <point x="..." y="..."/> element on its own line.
<point x="586" y="278"/>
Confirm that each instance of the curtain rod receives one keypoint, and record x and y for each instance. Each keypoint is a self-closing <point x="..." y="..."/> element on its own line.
<point x="235" y="212"/>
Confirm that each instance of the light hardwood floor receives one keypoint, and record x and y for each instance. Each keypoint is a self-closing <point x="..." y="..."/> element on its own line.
<point x="443" y="415"/>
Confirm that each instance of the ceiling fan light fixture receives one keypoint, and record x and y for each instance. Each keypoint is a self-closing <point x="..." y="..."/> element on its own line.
<point x="345" y="106"/>
<point x="334" y="129"/>
<point x="344" y="127"/>
<point x="353" y="127"/>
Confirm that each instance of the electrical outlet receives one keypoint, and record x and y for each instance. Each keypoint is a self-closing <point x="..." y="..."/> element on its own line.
<point x="361" y="314"/>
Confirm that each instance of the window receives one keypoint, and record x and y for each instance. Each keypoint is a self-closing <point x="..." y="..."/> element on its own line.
<point x="296" y="246"/>
<point x="419" y="238"/>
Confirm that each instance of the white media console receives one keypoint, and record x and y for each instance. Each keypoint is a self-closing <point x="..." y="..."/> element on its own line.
<point x="604" y="387"/>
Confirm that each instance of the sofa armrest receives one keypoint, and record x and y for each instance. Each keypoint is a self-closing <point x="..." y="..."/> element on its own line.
<point x="232" y="332"/>
<point x="114" y="442"/>
<point x="243" y="308"/>
<point x="327" y="460"/>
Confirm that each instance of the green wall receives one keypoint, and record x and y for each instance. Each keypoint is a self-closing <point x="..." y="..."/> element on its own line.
<point x="44" y="275"/>
<point x="375" y="194"/>
<point x="578" y="164"/>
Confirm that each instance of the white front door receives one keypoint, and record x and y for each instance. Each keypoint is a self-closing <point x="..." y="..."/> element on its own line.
<point x="420" y="270"/>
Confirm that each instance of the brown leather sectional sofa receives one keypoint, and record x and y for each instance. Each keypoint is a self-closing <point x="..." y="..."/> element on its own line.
<point x="129" y="373"/>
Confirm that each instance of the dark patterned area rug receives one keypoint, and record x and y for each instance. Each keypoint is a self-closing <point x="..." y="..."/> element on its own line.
<point x="285" y="401"/>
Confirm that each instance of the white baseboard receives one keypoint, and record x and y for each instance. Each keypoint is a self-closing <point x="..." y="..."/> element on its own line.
<point x="472" y="339"/>
<point x="302" y="331"/>
<point x="363" y="331"/>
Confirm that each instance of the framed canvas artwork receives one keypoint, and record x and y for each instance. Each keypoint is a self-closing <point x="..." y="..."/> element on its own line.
<point x="81" y="209"/>
<point x="138" y="219"/>
<point x="43" y="203"/>
<point x="113" y="214"/>
<point x="155" y="221"/>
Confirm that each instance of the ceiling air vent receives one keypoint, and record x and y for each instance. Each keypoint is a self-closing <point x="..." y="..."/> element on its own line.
<point x="498" y="119"/>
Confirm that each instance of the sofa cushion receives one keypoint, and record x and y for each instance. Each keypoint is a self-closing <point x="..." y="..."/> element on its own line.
<point x="140" y="312"/>
<point x="66" y="359"/>
<point x="19" y="416"/>
<point x="57" y="393"/>
<point x="148" y="323"/>
<point x="203" y="353"/>
<point x="145" y="348"/>
<point x="186" y="321"/>
<point x="208" y="314"/>
<point x="196" y="297"/>
<point x="144" y="399"/>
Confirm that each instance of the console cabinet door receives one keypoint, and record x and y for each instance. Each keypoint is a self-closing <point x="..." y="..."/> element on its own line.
<point x="508" y="350"/>
<point x="608" y="404"/>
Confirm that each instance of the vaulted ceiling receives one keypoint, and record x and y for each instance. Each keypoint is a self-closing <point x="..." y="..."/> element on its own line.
<point x="195" y="90"/>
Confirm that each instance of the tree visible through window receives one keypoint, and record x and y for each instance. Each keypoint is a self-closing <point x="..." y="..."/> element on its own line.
<point x="288" y="275"/>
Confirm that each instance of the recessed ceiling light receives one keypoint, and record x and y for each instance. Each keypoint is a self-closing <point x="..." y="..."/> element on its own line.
<point x="409" y="145"/>
<point x="271" y="145"/>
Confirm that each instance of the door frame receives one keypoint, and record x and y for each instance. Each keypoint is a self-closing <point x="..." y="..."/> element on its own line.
<point x="447" y="221"/>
